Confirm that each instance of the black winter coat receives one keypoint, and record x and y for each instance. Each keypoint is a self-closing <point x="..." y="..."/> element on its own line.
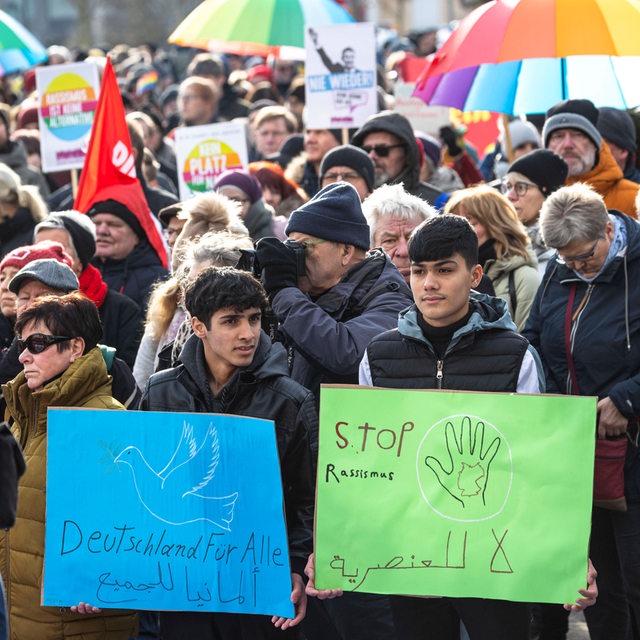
<point x="122" y="325"/>
<point x="134" y="275"/>
<point x="16" y="231"/>
<point x="11" y="468"/>
<point x="261" y="390"/>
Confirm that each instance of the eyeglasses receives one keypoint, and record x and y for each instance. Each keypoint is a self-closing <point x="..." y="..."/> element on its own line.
<point x="309" y="243"/>
<point x="381" y="150"/>
<point x="39" y="342"/>
<point x="241" y="201"/>
<point x="519" y="187"/>
<point x="581" y="258"/>
<point x="334" y="177"/>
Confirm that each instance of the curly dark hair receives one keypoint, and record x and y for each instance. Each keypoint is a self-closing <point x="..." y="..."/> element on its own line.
<point x="218" y="288"/>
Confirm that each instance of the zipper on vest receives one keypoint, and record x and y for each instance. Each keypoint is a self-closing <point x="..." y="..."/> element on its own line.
<point x="439" y="374"/>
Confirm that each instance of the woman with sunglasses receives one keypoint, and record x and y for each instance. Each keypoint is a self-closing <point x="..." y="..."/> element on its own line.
<point x="504" y="248"/>
<point x="585" y="324"/>
<point x="527" y="184"/>
<point x="63" y="367"/>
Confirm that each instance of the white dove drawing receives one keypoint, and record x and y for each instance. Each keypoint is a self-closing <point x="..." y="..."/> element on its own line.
<point x="177" y="493"/>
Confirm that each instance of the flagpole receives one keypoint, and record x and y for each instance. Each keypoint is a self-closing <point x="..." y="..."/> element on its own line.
<point x="74" y="182"/>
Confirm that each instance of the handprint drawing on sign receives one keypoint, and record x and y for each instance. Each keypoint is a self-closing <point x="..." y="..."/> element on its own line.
<point x="461" y="467"/>
<point x="469" y="461"/>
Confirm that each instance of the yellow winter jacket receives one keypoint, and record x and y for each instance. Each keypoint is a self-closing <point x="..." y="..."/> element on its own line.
<point x="85" y="383"/>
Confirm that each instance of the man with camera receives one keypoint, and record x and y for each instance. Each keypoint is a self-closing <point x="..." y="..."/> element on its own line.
<point x="331" y="296"/>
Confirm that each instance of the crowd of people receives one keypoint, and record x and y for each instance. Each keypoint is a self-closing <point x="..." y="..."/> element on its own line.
<point x="393" y="259"/>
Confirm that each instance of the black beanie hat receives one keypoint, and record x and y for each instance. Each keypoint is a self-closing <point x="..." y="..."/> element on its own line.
<point x="617" y="126"/>
<point x="353" y="157"/>
<point x="119" y="210"/>
<point x="79" y="226"/>
<point x="547" y="170"/>
<point x="292" y="146"/>
<point x="573" y="114"/>
<point x="335" y="214"/>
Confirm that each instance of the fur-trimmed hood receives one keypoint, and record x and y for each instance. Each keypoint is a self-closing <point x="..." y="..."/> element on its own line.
<point x="295" y="168"/>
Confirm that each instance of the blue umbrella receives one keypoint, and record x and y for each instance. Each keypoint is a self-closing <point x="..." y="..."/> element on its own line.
<point x="19" y="48"/>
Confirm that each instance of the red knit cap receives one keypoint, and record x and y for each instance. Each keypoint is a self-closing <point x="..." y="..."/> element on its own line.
<point x="27" y="115"/>
<point x="260" y="71"/>
<point x="42" y="250"/>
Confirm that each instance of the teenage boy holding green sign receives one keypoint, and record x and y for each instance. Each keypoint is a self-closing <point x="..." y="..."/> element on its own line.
<point x="456" y="339"/>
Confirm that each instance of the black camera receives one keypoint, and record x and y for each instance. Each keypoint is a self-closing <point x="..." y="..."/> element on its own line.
<point x="249" y="260"/>
<point x="298" y="251"/>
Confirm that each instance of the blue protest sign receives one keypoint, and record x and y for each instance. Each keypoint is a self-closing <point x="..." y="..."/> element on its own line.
<point x="165" y="511"/>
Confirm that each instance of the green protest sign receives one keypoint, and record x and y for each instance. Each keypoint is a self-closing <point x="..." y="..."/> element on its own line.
<point x="454" y="494"/>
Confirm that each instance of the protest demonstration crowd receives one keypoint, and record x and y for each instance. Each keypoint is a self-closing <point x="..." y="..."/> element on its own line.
<point x="156" y="279"/>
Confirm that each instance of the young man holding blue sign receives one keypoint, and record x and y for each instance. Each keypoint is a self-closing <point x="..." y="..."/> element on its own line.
<point x="230" y="366"/>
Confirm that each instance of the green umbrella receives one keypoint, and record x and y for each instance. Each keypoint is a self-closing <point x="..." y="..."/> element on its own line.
<point x="254" y="27"/>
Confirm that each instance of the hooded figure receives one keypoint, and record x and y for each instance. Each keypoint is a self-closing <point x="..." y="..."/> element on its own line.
<point x="397" y="125"/>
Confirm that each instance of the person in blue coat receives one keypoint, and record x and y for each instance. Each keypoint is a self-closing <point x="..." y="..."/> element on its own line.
<point x="585" y="324"/>
<point x="330" y="294"/>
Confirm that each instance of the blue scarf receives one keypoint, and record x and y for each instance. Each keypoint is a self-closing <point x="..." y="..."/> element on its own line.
<point x="617" y="248"/>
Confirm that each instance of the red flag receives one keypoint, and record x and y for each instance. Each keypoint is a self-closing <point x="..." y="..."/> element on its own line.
<point x="109" y="171"/>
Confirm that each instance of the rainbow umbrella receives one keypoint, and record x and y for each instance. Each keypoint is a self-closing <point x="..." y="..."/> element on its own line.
<point x="254" y="27"/>
<point x="523" y="56"/>
<point x="19" y="48"/>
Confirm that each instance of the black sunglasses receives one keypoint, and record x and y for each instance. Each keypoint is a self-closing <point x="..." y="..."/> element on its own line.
<point x="381" y="150"/>
<point x="38" y="342"/>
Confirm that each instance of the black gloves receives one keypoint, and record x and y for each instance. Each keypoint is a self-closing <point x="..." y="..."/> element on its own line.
<point x="450" y="138"/>
<point x="279" y="264"/>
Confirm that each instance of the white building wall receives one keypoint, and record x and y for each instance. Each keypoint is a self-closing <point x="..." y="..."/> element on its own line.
<point x="407" y="15"/>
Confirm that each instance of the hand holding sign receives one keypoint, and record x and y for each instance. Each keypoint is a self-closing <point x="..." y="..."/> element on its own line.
<point x="468" y="471"/>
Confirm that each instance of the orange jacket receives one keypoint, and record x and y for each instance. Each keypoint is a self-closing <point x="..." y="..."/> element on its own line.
<point x="607" y="179"/>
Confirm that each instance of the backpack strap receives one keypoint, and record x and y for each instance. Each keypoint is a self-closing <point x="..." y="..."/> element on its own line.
<point x="512" y="292"/>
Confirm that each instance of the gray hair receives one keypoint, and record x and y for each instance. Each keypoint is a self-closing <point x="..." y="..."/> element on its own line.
<point x="573" y="214"/>
<point x="219" y="249"/>
<point x="391" y="200"/>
